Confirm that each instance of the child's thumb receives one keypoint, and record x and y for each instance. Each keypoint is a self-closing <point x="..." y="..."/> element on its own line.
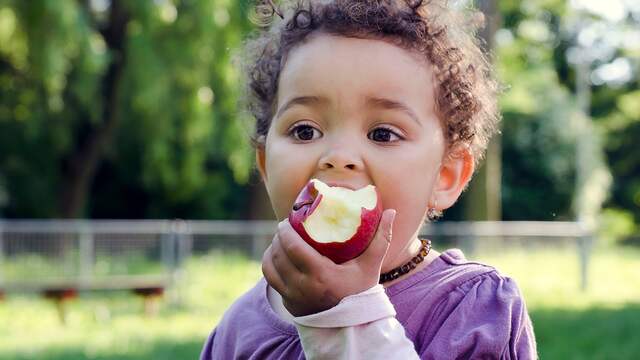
<point x="375" y="253"/>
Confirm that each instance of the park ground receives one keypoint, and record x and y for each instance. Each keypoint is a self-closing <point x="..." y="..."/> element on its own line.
<point x="601" y="322"/>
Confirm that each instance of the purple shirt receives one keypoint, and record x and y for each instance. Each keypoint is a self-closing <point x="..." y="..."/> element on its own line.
<point x="452" y="308"/>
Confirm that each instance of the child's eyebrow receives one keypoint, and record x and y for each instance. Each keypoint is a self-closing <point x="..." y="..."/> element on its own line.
<point x="392" y="105"/>
<point x="302" y="100"/>
<point x="369" y="100"/>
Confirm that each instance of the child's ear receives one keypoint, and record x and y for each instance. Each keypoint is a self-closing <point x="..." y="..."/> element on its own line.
<point x="261" y="162"/>
<point x="455" y="173"/>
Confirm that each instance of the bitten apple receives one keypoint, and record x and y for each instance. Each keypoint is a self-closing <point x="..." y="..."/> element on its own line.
<point x="338" y="222"/>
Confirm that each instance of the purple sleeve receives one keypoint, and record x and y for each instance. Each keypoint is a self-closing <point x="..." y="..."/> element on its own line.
<point x="484" y="318"/>
<point x="208" y="347"/>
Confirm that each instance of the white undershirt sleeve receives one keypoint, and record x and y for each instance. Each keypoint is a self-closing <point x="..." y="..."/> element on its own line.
<point x="361" y="326"/>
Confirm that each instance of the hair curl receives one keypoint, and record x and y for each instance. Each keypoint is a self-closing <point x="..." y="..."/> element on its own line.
<point x="440" y="33"/>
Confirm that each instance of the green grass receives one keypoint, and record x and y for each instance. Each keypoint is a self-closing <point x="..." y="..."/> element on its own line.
<point x="28" y="266"/>
<point x="113" y="326"/>
<point x="600" y="323"/>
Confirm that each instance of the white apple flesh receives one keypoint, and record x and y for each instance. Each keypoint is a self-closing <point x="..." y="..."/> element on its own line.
<point x="338" y="222"/>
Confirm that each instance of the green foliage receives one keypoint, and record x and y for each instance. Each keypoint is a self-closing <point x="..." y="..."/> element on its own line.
<point x="621" y="122"/>
<point x="538" y="144"/>
<point x="537" y="52"/>
<point x="178" y="146"/>
<point x="612" y="103"/>
<point x="616" y="225"/>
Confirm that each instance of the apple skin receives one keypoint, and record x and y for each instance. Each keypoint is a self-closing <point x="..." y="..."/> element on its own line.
<point x="339" y="252"/>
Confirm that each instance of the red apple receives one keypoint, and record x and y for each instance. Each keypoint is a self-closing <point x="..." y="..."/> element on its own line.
<point x="338" y="222"/>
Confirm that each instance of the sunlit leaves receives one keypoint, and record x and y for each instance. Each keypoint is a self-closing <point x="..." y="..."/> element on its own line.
<point x="176" y="104"/>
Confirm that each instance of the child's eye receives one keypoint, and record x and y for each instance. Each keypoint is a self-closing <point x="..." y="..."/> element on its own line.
<point x="383" y="134"/>
<point x="303" y="132"/>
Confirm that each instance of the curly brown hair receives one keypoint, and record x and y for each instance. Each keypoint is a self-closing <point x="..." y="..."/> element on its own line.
<point x="442" y="34"/>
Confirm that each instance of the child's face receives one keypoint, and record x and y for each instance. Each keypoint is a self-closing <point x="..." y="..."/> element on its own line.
<point x="357" y="112"/>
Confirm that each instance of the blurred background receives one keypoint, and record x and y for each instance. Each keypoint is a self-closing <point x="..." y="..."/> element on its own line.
<point x="131" y="213"/>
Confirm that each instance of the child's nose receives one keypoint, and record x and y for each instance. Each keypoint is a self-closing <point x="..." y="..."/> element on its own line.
<point x="340" y="158"/>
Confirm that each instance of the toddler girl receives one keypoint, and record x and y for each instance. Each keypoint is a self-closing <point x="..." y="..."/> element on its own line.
<point x="391" y="93"/>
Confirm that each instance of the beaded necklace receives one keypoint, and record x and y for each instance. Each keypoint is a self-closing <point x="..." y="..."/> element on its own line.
<point x="403" y="269"/>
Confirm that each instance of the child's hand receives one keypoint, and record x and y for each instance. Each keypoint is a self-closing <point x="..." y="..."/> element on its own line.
<point x="309" y="282"/>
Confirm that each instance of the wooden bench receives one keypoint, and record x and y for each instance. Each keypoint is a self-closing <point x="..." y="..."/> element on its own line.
<point x="150" y="288"/>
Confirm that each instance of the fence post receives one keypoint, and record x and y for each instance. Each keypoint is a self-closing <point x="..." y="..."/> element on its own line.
<point x="180" y="242"/>
<point x="185" y="241"/>
<point x="468" y="244"/>
<point x="87" y="248"/>
<point x="584" y="251"/>
<point x="257" y="245"/>
<point x="1" y="256"/>
<point x="168" y="250"/>
<point x="260" y="239"/>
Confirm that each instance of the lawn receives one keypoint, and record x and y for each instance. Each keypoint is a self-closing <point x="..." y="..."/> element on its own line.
<point x="602" y="322"/>
<point x="113" y="325"/>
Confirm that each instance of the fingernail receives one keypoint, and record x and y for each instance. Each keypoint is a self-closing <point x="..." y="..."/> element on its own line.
<point x="393" y="216"/>
<point x="281" y="224"/>
<point x="390" y="225"/>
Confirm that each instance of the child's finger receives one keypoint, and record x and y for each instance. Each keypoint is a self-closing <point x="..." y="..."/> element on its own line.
<point x="375" y="253"/>
<point x="288" y="272"/>
<point x="303" y="256"/>
<point x="270" y="273"/>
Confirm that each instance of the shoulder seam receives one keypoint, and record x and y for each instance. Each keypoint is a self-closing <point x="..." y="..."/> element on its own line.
<point x="490" y="271"/>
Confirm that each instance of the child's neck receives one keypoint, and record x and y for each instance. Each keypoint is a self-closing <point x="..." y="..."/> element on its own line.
<point x="411" y="250"/>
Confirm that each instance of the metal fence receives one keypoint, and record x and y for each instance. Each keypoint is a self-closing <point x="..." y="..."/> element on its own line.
<point x="94" y="255"/>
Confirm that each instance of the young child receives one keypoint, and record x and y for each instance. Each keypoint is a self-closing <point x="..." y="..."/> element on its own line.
<point x="391" y="93"/>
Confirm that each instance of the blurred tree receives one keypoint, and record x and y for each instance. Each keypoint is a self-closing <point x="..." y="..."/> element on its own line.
<point x="600" y="59"/>
<point x="539" y="144"/>
<point x="545" y="120"/>
<point x="128" y="109"/>
<point x="113" y="108"/>
<point x="483" y="200"/>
